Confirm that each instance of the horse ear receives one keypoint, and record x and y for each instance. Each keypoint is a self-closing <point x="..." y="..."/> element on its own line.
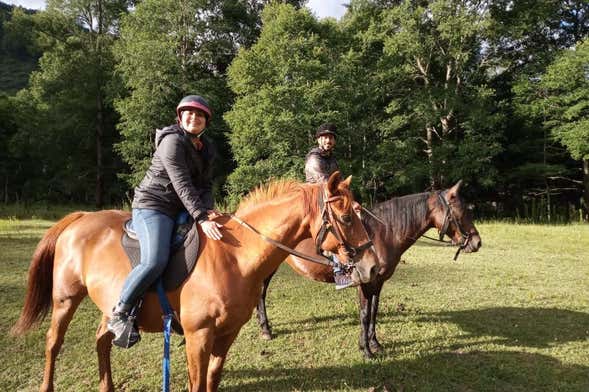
<point x="347" y="182"/>
<point x="453" y="192"/>
<point x="333" y="182"/>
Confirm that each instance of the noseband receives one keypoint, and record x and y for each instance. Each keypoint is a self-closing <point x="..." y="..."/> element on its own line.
<point x="449" y="217"/>
<point x="330" y="223"/>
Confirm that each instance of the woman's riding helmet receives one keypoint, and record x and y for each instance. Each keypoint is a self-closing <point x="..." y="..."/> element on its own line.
<point x="194" y="102"/>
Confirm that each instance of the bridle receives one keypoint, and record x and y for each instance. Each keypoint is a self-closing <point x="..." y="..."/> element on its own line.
<point x="327" y="217"/>
<point x="449" y="217"/>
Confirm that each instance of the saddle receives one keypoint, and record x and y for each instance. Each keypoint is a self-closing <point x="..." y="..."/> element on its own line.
<point x="183" y="252"/>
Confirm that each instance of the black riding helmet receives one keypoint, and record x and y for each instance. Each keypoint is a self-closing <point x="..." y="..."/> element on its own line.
<point x="194" y="102"/>
<point x="326" y="129"/>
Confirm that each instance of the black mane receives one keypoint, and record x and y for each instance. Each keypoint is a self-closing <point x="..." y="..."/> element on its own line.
<point x="403" y="215"/>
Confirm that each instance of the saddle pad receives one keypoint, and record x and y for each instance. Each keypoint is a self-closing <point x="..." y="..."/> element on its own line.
<point x="181" y="262"/>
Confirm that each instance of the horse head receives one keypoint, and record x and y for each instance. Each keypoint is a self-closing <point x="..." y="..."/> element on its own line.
<point x="340" y="231"/>
<point x="452" y="218"/>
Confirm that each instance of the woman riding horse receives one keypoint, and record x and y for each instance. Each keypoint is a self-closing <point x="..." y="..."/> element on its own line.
<point x="179" y="178"/>
<point x="81" y="255"/>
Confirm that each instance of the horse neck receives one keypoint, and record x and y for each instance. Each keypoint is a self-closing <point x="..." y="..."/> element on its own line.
<point x="406" y="218"/>
<point x="284" y="221"/>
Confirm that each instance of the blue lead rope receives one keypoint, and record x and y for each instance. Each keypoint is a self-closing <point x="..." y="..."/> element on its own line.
<point x="168" y="314"/>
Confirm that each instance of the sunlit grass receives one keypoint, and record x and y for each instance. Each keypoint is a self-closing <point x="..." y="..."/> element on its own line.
<point x="513" y="317"/>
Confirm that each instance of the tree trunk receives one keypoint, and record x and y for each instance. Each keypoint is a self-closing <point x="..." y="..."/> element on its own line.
<point x="586" y="188"/>
<point x="433" y="179"/>
<point x="99" y="164"/>
<point x="99" y="114"/>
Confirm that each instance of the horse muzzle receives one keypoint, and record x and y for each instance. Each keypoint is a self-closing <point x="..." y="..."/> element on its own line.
<point x="366" y="269"/>
<point x="474" y="243"/>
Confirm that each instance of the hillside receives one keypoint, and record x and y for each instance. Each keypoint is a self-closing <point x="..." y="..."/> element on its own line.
<point x="16" y="59"/>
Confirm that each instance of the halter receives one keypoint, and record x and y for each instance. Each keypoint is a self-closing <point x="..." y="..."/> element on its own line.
<point x="327" y="217"/>
<point x="449" y="217"/>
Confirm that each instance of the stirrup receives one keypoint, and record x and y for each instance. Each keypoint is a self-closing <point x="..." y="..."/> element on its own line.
<point x="127" y="335"/>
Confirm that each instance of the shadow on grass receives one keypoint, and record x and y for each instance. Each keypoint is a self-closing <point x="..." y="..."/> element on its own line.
<point x="313" y="323"/>
<point x="475" y="371"/>
<point x="532" y="327"/>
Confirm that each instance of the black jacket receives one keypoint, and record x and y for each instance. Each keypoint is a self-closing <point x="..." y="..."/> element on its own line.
<point x="179" y="177"/>
<point x="319" y="165"/>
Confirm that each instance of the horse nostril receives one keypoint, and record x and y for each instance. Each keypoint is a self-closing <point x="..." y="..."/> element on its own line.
<point x="374" y="271"/>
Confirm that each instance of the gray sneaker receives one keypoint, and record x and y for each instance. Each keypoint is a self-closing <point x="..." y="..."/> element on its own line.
<point x="123" y="327"/>
<point x="342" y="280"/>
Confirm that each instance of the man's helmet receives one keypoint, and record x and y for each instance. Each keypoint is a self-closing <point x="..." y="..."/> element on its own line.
<point x="194" y="102"/>
<point x="326" y="129"/>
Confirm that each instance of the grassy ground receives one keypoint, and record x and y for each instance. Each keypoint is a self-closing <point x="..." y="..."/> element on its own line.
<point x="514" y="317"/>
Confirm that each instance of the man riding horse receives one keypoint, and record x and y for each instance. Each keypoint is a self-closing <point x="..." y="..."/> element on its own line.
<point x="320" y="163"/>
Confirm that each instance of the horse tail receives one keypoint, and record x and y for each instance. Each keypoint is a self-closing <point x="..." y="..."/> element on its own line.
<point x="40" y="280"/>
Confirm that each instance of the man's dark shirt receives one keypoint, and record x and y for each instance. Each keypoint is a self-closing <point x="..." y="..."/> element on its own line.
<point x="319" y="165"/>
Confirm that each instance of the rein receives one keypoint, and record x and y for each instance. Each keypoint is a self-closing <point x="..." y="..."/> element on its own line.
<point x="320" y="260"/>
<point x="327" y="226"/>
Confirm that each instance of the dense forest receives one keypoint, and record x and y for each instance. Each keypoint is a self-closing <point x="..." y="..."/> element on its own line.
<point x="423" y="92"/>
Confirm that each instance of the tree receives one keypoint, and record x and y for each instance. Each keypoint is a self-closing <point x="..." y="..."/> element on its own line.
<point x="169" y="49"/>
<point x="432" y="66"/>
<point x="67" y="102"/>
<point x="560" y="100"/>
<point x="525" y="38"/>
<point x="286" y="85"/>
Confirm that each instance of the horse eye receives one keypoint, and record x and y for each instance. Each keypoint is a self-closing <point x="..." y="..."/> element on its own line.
<point x="346" y="218"/>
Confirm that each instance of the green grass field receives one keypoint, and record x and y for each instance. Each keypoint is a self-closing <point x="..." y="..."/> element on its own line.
<point x="513" y="317"/>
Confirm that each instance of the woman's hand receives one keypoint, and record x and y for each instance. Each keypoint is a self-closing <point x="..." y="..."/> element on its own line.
<point x="211" y="229"/>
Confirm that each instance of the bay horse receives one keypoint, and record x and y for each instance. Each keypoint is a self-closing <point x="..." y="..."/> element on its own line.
<point x="82" y="255"/>
<point x="396" y="225"/>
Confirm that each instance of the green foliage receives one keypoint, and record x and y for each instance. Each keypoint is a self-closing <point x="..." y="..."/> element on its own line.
<point x="286" y="85"/>
<point x="18" y="52"/>
<point x="169" y="49"/>
<point x="566" y="89"/>
<point x="65" y="118"/>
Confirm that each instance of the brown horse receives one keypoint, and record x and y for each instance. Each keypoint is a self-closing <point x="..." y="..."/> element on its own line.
<point x="81" y="255"/>
<point x="401" y="221"/>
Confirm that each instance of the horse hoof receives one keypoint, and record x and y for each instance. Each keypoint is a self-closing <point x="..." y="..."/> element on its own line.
<point x="369" y="355"/>
<point x="266" y="335"/>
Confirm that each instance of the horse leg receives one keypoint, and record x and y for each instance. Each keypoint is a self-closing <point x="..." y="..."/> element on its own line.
<point x="217" y="360"/>
<point x="365" y="298"/>
<point x="261" y="311"/>
<point x="61" y="315"/>
<point x="374" y="344"/>
<point x="199" y="345"/>
<point x="103" y="347"/>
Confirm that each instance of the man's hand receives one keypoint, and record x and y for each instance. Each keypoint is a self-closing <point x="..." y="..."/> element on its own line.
<point x="357" y="208"/>
<point x="211" y="229"/>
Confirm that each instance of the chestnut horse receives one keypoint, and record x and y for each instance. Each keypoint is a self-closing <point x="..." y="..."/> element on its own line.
<point x="399" y="223"/>
<point x="82" y="255"/>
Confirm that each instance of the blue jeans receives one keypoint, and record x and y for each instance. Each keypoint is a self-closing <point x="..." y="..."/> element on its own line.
<point x="337" y="268"/>
<point x="154" y="230"/>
